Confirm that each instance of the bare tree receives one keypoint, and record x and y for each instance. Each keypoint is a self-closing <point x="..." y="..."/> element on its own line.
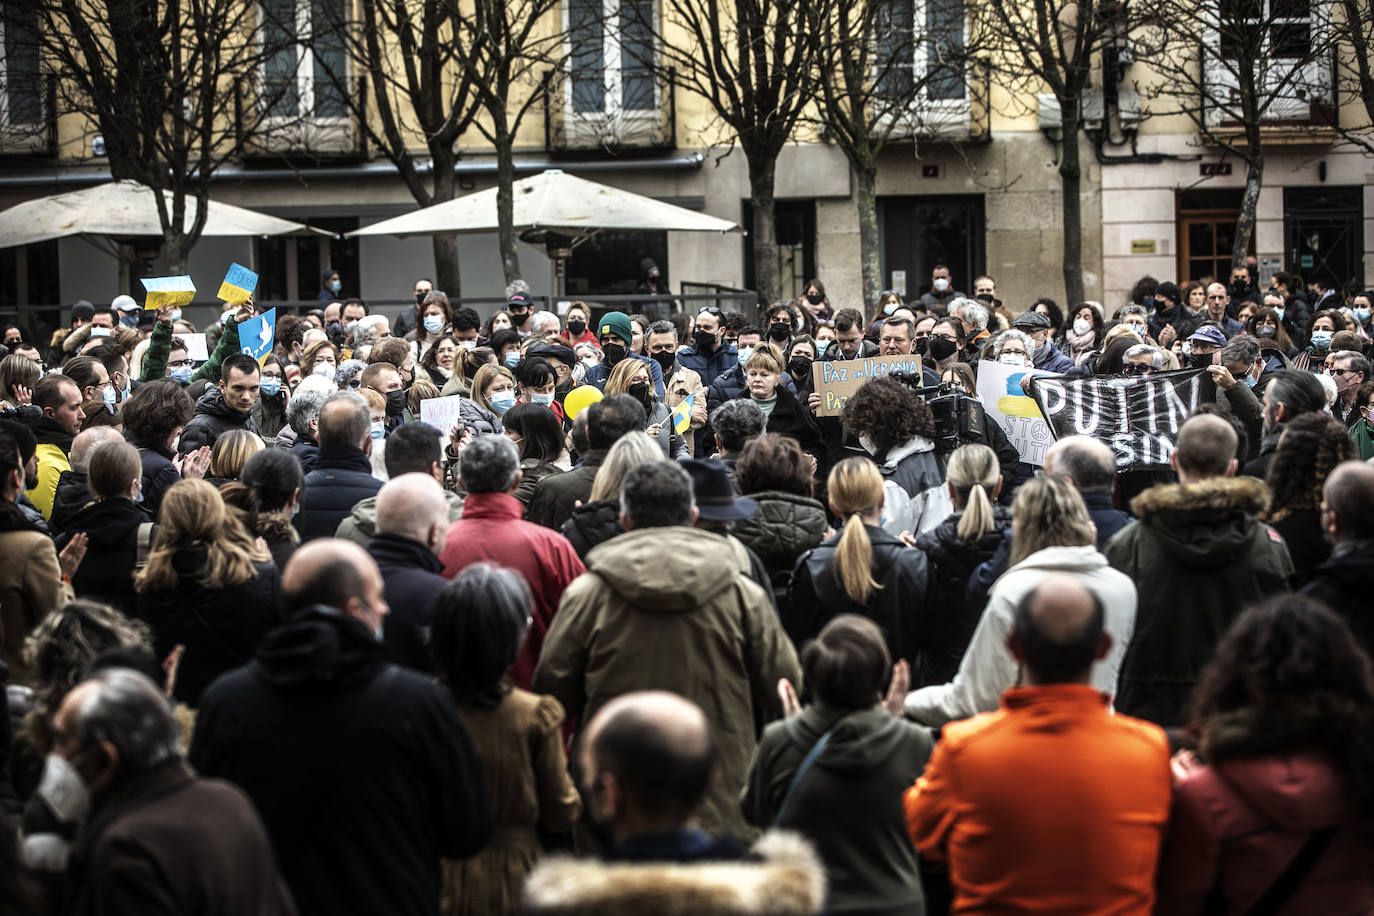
<point x="752" y="62"/>
<point x="1353" y="41"/>
<point x="418" y="92"/>
<point x="157" y="81"/>
<point x="1234" y="66"/>
<point x="883" y="76"/>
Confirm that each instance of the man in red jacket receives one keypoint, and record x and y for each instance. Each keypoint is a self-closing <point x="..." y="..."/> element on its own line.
<point x="493" y="530"/>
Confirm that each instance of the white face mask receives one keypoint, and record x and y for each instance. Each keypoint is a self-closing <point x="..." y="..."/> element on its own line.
<point x="941" y="284"/>
<point x="467" y="345"/>
<point x="744" y="354"/>
<point x="63" y="790"/>
<point x="1013" y="359"/>
<point x="1082" y="326"/>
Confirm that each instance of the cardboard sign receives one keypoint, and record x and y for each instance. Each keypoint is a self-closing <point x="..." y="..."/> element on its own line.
<point x="441" y="413"/>
<point x="238" y="285"/>
<point x="1006" y="403"/>
<point x="837" y="381"/>
<point x="163" y="291"/>
<point x="1138" y="417"/>
<point x="257" y="334"/>
<point x="196" y="349"/>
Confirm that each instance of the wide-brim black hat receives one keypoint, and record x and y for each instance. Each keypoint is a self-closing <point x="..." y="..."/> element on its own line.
<point x="715" y="494"/>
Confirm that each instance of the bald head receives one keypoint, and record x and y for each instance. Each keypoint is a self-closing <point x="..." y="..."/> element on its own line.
<point x="1059" y="631"/>
<point x="88" y="440"/>
<point x="1085" y="462"/>
<point x="412" y="506"/>
<point x="337" y="574"/>
<point x="1348" y="501"/>
<point x="648" y="759"/>
<point x="1206" y="448"/>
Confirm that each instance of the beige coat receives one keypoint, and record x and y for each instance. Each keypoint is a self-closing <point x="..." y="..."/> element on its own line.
<point x="676" y="388"/>
<point x="30" y="586"/>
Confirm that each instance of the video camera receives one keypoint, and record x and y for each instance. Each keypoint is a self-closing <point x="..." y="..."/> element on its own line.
<point x="959" y="419"/>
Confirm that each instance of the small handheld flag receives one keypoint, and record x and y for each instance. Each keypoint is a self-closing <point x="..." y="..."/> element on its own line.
<point x="238" y="285"/>
<point x="164" y="291"/>
<point x="682" y="414"/>
<point x="256" y="335"/>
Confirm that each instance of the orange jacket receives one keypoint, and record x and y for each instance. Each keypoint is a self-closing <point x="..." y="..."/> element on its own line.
<point x="1052" y="804"/>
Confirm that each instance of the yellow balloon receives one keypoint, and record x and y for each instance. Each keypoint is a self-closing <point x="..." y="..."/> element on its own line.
<point x="579" y="399"/>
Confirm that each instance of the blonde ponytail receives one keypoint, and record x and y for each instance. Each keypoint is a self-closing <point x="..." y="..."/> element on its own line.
<point x="973" y="471"/>
<point x="855" y="488"/>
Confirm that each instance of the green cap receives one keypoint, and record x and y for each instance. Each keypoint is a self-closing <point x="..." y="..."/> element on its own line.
<point x="617" y="323"/>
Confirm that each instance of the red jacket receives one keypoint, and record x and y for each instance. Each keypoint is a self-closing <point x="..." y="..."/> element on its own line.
<point x="1051" y="805"/>
<point x="1238" y="825"/>
<point x="492" y="530"/>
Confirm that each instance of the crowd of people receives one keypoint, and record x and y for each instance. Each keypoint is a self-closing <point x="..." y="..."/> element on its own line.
<point x="647" y="629"/>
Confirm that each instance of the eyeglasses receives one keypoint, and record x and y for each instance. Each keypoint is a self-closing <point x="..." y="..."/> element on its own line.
<point x="178" y="363"/>
<point x="1340" y="371"/>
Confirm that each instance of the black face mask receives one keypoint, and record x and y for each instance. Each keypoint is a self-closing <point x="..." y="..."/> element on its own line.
<point x="815" y="298"/>
<point x="1266" y="330"/>
<point x="519" y="317"/>
<point x="920" y="345"/>
<point x="665" y="362"/>
<point x="613" y="352"/>
<point x="942" y="349"/>
<point x="779" y="330"/>
<point x="577" y="328"/>
<point x="799" y="365"/>
<point x="420" y="298"/>
<point x="395" y="402"/>
<point x="1199" y="360"/>
<point x="640" y="392"/>
<point x="705" y="341"/>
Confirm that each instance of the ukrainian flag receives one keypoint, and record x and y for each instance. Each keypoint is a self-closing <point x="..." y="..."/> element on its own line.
<point x="682" y="414"/>
<point x="238" y="285"/>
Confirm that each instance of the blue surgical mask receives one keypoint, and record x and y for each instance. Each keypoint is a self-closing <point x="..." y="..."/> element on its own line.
<point x="543" y="400"/>
<point x="1362" y="316"/>
<point x="512" y="359"/>
<point x="502" y="402"/>
<point x="108" y="393"/>
<point x="1278" y="312"/>
<point x="1321" y="340"/>
<point x="744" y="354"/>
<point x="270" y="386"/>
<point x="180" y="374"/>
<point x="1250" y="381"/>
<point x="434" y="324"/>
<point x="821" y="347"/>
<point x="378" y="431"/>
<point x="335" y="286"/>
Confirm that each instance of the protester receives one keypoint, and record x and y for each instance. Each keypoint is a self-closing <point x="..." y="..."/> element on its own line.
<point x="1090" y="466"/>
<point x="648" y="760"/>
<point x="636" y="617"/>
<point x="1362" y="425"/>
<point x="316" y="791"/>
<point x="480" y="621"/>
<point x="1100" y="781"/>
<point x="343" y="473"/>
<point x="775" y="473"/>
<point x="59" y="401"/>
<point x="555" y="496"/>
<point x="303" y="418"/>
<point x="1310" y="448"/>
<point x="1271" y="813"/>
<point x="835" y="772"/>
<point x="616" y="335"/>
<point x="493" y="393"/>
<point x="1287" y="395"/>
<point x="224" y="408"/>
<point x="1347" y="519"/>
<point x="111" y="524"/>
<point x="412" y="448"/>
<point x="491" y="530"/>
<point x="1205" y="556"/>
<point x="598" y="520"/>
<point x="266" y="497"/>
<point x="862" y="570"/>
<point x="73" y="494"/>
<point x="1052" y="536"/>
<point x="269" y="410"/>
<point x="679" y="382"/>
<point x="733" y="424"/>
<point x="538" y="434"/>
<point x="230" y="453"/>
<point x="1041" y="332"/>
<point x="968" y="537"/>
<point x="784" y="414"/>
<point x="632" y="378"/>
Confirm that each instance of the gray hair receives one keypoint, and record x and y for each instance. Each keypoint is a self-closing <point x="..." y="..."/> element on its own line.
<point x="1298" y="390"/>
<point x="303" y="407"/>
<point x="955" y="307"/>
<point x="663" y="327"/>
<point x="1156" y="356"/>
<point x="1012" y="334"/>
<point x="736" y="422"/>
<point x="368" y="327"/>
<point x="1088" y="463"/>
<point x="657" y="495"/>
<point x="1358" y="363"/>
<point x="975" y="314"/>
<point x="129" y="711"/>
<point x="349" y="429"/>
<point x="542" y="319"/>
<point x="1133" y="309"/>
<point x="347" y="371"/>
<point x="1240" y="350"/>
<point x="490" y="465"/>
<point x="516" y="286"/>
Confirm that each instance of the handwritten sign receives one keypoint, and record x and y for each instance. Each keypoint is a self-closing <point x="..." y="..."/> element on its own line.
<point x="441" y="413"/>
<point x="197" y="351"/>
<point x="1006" y="403"/>
<point x="837" y="381"/>
<point x="164" y="291"/>
<point x="1137" y="417"/>
<point x="256" y="335"/>
<point x="238" y="285"/>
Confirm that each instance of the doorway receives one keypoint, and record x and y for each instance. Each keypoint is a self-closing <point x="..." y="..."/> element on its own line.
<point x="1323" y="230"/>
<point x="917" y="233"/>
<point x="1206" y="224"/>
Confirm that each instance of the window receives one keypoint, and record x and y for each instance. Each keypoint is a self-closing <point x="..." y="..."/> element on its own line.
<point x="611" y="55"/>
<point x="1274" y="44"/>
<point x="926" y="37"/>
<point x="304" y="48"/>
<point x="21" y="84"/>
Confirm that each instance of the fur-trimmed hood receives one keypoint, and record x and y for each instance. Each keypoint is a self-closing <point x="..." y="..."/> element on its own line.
<point x="1218" y="494"/>
<point x="1208" y="524"/>
<point x="786" y="878"/>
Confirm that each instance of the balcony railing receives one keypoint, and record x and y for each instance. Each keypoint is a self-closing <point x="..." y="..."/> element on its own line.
<point x="28" y="115"/>
<point x="613" y="128"/>
<point x="301" y="117"/>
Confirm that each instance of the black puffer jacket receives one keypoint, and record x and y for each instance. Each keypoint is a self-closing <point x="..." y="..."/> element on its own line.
<point x="816" y="595"/>
<point x="159" y="474"/>
<point x="213" y="418"/>
<point x="592" y="524"/>
<point x="71" y="497"/>
<point x="785" y="527"/>
<point x="1342" y="583"/>
<point x="341" y="479"/>
<point x="107" y="575"/>
<point x="949" y="625"/>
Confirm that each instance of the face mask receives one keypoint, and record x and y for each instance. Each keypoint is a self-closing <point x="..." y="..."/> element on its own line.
<point x="1200" y="360"/>
<point x="420" y="298"/>
<point x="180" y="374"/>
<point x="1279" y="313"/>
<point x="1362" y="315"/>
<point x="1082" y="326"/>
<point x="108" y="394"/>
<point x="100" y="332"/>
<point x="815" y="298"/>
<point x="920" y="346"/>
<point x="705" y="340"/>
<point x="744" y="354"/>
<point x="1266" y="331"/>
<point x="1012" y="359"/>
<point x="519" y="317"/>
<point x="129" y="321"/>
<point x="941" y="284"/>
<point x="640" y="392"/>
<point x="779" y="330"/>
<point x="799" y="365"/>
<point x="614" y="353"/>
<point x="576" y="327"/>
<point x="176" y="315"/>
<point x="889" y="308"/>
<point x="395" y="402"/>
<point x="467" y="345"/>
<point x="270" y="386"/>
<point x="335" y="286"/>
<point x="127" y="390"/>
<point x="1250" y="381"/>
<point x="378" y="431"/>
<point x="502" y="402"/>
<point x="1321" y="340"/>
<point x="513" y="359"/>
<point x="434" y="324"/>
<point x="63" y="790"/>
<point x="543" y="400"/>
<point x="822" y="347"/>
<point x="665" y="361"/>
<point x="588" y="361"/>
<point x="942" y="349"/>
<point x="138" y="495"/>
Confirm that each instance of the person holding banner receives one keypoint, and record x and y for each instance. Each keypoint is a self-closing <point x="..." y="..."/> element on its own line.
<point x="785" y="414"/>
<point x="160" y="346"/>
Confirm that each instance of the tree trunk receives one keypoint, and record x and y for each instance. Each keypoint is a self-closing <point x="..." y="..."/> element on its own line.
<point x="505" y="206"/>
<point x="1249" y="204"/>
<point x="868" y="239"/>
<point x="175" y="252"/>
<point x="446" y="274"/>
<point x="765" y="241"/>
<point x="1071" y="179"/>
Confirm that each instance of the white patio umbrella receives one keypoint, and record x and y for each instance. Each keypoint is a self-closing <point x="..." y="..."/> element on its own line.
<point x="124" y="208"/>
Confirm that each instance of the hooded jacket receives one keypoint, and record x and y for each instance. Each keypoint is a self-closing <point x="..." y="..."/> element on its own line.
<point x="213" y="418"/>
<point x="362" y="771"/>
<point x="785" y="526"/>
<point x="849" y="804"/>
<point x="54" y="445"/>
<point x="1238" y="824"/>
<point x="915" y="497"/>
<point x="1206" y="557"/>
<point x="361" y="523"/>
<point x="112" y="526"/>
<point x="1342" y="584"/>
<point x="987" y="668"/>
<point x="673" y="609"/>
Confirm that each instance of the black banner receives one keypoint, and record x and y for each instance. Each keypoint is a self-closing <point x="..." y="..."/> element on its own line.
<point x="1136" y="416"/>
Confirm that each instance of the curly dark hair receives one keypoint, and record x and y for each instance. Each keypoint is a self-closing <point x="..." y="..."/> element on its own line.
<point x="1056" y="314"/>
<point x="155" y="409"/>
<point x="888" y="413"/>
<point x="1311" y="446"/>
<point x="773" y="462"/>
<point x="1289" y="676"/>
